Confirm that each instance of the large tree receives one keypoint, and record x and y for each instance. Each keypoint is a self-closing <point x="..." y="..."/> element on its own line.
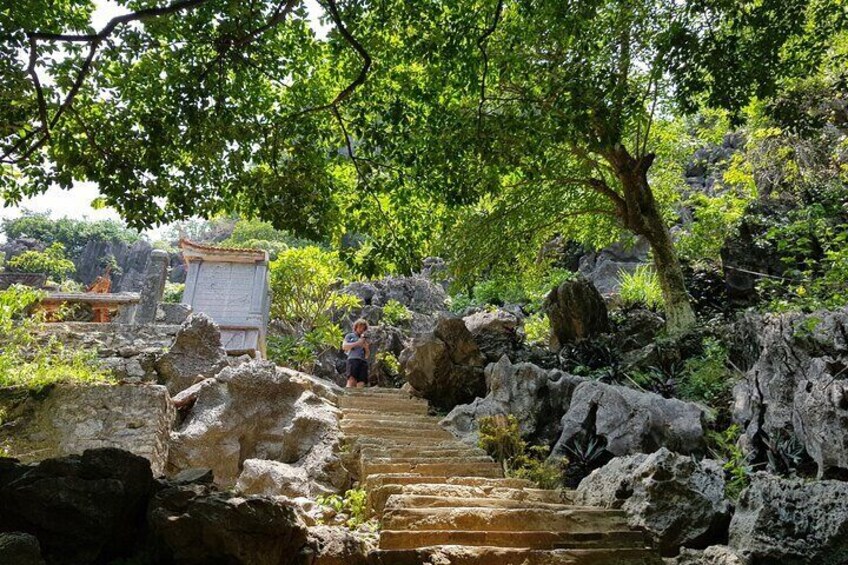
<point x="533" y="112"/>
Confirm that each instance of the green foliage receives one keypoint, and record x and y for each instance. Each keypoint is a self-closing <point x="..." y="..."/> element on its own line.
<point x="173" y="292"/>
<point x="71" y="233"/>
<point x="303" y="285"/>
<point x="52" y="261"/>
<point x="389" y="361"/>
<point x="32" y="363"/>
<point x="395" y="313"/>
<point x="256" y="234"/>
<point x="724" y="447"/>
<point x="300" y="350"/>
<point x="528" y="287"/>
<point x="537" y="328"/>
<point x="501" y="438"/>
<point x="707" y="377"/>
<point x="354" y="504"/>
<point x="641" y="287"/>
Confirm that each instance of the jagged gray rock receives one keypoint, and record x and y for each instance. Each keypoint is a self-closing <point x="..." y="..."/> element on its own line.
<point x="677" y="499"/>
<point x="73" y="418"/>
<point x="631" y="421"/>
<point x="445" y="366"/>
<point x="195" y="354"/>
<point x="603" y="268"/>
<point x="84" y="508"/>
<point x="713" y="555"/>
<point x="18" y="548"/>
<point x="258" y="412"/>
<point x="798" y="387"/>
<point x="194" y="524"/>
<point x="791" y="521"/>
<point x="496" y="333"/>
<point x="337" y="546"/>
<point x="538" y="398"/>
<point x="577" y="311"/>
<point x="418" y="293"/>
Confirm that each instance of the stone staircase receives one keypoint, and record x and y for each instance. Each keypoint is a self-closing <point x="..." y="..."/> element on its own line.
<point x="442" y="502"/>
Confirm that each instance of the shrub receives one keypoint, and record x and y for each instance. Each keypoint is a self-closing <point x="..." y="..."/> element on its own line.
<point x="538" y="329"/>
<point x="353" y="504"/>
<point x="256" y="234"/>
<point x="501" y="438"/>
<point x="642" y="287"/>
<point x="33" y="364"/>
<point x="395" y="313"/>
<point x="724" y="447"/>
<point x="389" y="361"/>
<point x="303" y="286"/>
<point x="707" y="377"/>
<point x="173" y="293"/>
<point x="52" y="261"/>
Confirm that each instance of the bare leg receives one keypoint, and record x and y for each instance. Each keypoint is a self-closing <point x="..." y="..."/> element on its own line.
<point x="351" y="382"/>
<point x="360" y="385"/>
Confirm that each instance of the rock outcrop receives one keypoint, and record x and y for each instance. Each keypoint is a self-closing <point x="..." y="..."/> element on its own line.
<point x="445" y="366"/>
<point x="538" y="398"/>
<point x="713" y="555"/>
<point x="194" y="524"/>
<point x="496" y="333"/>
<point x="577" y="311"/>
<point x="631" y="421"/>
<point x="791" y="521"/>
<point x="337" y="546"/>
<point x="603" y="268"/>
<point x="798" y="387"/>
<point x="256" y="411"/>
<point x="196" y="354"/>
<point x="82" y="508"/>
<point x="73" y="418"/>
<point x="104" y="506"/>
<point x="678" y="500"/>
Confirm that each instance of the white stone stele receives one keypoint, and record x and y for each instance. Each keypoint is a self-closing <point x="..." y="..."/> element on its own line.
<point x="230" y="286"/>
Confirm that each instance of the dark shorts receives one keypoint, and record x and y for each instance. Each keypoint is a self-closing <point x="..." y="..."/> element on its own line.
<point x="358" y="369"/>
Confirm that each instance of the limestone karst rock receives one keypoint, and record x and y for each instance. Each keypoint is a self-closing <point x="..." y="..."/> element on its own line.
<point x="577" y="311"/>
<point x="256" y="411"/>
<point x="791" y="521"/>
<point x="496" y="333"/>
<point x="798" y="387"/>
<point x="678" y="500"/>
<point x="20" y="549"/>
<point x="194" y="524"/>
<point x="196" y="353"/>
<point x="82" y="508"/>
<point x="631" y="421"/>
<point x="537" y="397"/>
<point x="72" y="418"/>
<point x="445" y="366"/>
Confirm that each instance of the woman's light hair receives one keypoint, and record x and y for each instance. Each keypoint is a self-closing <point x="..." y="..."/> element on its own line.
<point x="360" y="322"/>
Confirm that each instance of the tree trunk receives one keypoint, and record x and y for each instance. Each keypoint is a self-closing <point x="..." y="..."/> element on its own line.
<point x="639" y="213"/>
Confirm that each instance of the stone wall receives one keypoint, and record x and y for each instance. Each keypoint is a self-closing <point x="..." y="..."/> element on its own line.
<point x="73" y="418"/>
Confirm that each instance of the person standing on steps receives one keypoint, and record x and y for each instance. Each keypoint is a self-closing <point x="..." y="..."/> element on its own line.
<point x="357" y="349"/>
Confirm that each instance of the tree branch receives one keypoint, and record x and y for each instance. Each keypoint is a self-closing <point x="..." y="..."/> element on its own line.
<point x="481" y="45"/>
<point x="352" y="41"/>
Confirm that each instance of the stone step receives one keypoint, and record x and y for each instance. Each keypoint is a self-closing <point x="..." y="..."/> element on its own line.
<point x="483" y="459"/>
<point x="376" y="390"/>
<point x="377" y="497"/>
<point x="458" y="555"/>
<point x="384" y="422"/>
<point x="416" y="501"/>
<point x="362" y="416"/>
<point x="404" y="452"/>
<point x="385" y="479"/>
<point x="403" y="442"/>
<point x="405" y="433"/>
<point x="381" y="402"/>
<point x="384" y="413"/>
<point x="394" y="539"/>
<point x="573" y="520"/>
<point x="487" y="469"/>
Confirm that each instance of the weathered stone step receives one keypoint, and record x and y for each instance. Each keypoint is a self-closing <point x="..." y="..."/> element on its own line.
<point x="483" y="459"/>
<point x="382" y="424"/>
<point x="404" y="452"/>
<point x="394" y="539"/>
<point x="384" y="479"/>
<point x="377" y="497"/>
<point x="408" y="433"/>
<point x="458" y="555"/>
<point x="420" y="501"/>
<point x="380" y="416"/>
<point x="395" y="442"/>
<point x="573" y="520"/>
<point x="488" y="469"/>
<point x="374" y="402"/>
<point x="376" y="390"/>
